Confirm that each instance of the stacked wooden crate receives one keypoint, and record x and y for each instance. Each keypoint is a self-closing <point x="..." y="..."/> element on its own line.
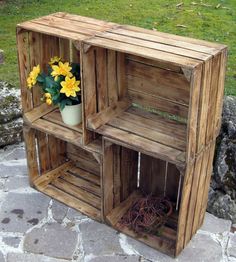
<point x="152" y="110"/>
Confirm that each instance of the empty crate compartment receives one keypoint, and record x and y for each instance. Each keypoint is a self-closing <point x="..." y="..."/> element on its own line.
<point x="64" y="171"/>
<point x="130" y="176"/>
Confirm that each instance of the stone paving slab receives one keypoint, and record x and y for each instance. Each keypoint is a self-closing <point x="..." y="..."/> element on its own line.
<point x="35" y="228"/>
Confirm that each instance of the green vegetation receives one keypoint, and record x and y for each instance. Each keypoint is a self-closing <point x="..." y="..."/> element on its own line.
<point x="212" y="20"/>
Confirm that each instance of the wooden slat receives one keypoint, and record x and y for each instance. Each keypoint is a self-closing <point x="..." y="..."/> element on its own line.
<point x="54" y="116"/>
<point x="158" y="103"/>
<point x="172" y="183"/>
<point x="108" y="178"/>
<point x="143" y="145"/>
<point x="43" y="152"/>
<point x="85" y="164"/>
<point x="38" y="112"/>
<point x="35" y="44"/>
<point x="148" y="132"/>
<point x="155" y="81"/>
<point x="85" y="175"/>
<point x="117" y="213"/>
<point x="117" y="168"/>
<point x="166" y="39"/>
<point x="185" y="195"/>
<point x="24" y="69"/>
<point x="220" y="93"/>
<point x="200" y="43"/>
<point x="57" y="151"/>
<point x="64" y="49"/>
<point x="44" y="29"/>
<point x="58" y="131"/>
<point x="128" y="172"/>
<point x="89" y="92"/>
<point x="143" y="51"/>
<point x="121" y="75"/>
<point x="97" y="120"/>
<point x="192" y="114"/>
<point x="72" y="202"/>
<point x="210" y="130"/>
<point x="32" y="163"/>
<point x="203" y="106"/>
<point x="200" y="189"/>
<point x="75" y="52"/>
<point x="153" y="45"/>
<point x="85" y="185"/>
<point x="77" y="192"/>
<point x="43" y="181"/>
<point x="111" y="77"/>
<point x="193" y="198"/>
<point x="152" y="175"/>
<point x="101" y="78"/>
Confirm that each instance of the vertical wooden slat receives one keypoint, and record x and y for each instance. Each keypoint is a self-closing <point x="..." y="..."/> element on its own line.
<point x="75" y="53"/>
<point x="32" y="163"/>
<point x="207" y="182"/>
<point x="193" y="199"/>
<point x="24" y="69"/>
<point x="43" y="152"/>
<point x="101" y="74"/>
<point x="117" y="166"/>
<point x="188" y="177"/>
<point x="64" y="49"/>
<point x="107" y="177"/>
<point x="121" y="76"/>
<point x="129" y="169"/>
<point x="152" y="175"/>
<point x="200" y="190"/>
<point x="192" y="114"/>
<point x="220" y="93"/>
<point x="210" y="130"/>
<point x="57" y="151"/>
<point x="203" y="105"/>
<point x="88" y="93"/>
<point x="36" y="45"/>
<point x="111" y="77"/>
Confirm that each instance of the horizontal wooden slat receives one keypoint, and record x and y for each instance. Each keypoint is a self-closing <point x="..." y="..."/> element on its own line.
<point x="85" y="185"/>
<point x="153" y="45"/>
<point x="101" y="118"/>
<point x="77" y="192"/>
<point x="167" y="40"/>
<point x="143" y="145"/>
<point x="156" y="81"/>
<point x="55" y="117"/>
<point x="85" y="175"/>
<point x="151" y="101"/>
<point x="147" y="131"/>
<point x="143" y="51"/>
<point x="72" y="202"/>
<point x="203" y="43"/>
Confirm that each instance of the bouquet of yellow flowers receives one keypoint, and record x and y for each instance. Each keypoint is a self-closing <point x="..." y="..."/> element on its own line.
<point x="60" y="84"/>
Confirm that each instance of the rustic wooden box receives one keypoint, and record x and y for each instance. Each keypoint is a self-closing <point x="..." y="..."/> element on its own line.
<point x="127" y="174"/>
<point x="65" y="171"/>
<point x="38" y="40"/>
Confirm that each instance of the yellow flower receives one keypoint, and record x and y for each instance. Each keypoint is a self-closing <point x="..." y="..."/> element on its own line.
<point x="61" y="69"/>
<point x="54" y="60"/>
<point x="49" y="101"/>
<point x="32" y="79"/>
<point x="48" y="95"/>
<point x="70" y="86"/>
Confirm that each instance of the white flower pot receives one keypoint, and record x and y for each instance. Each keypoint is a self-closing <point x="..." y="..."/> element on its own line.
<point x="72" y="115"/>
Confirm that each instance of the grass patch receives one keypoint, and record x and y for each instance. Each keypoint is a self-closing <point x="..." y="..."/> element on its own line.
<point x="213" y="20"/>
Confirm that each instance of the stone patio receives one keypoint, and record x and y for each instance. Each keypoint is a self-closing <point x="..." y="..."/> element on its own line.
<point x="35" y="228"/>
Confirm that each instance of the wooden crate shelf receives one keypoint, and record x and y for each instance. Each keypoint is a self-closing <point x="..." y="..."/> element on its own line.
<point x="152" y="106"/>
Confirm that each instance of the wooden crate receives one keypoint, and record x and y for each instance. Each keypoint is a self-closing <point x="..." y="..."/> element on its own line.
<point x="141" y="79"/>
<point x="38" y="40"/>
<point x="64" y="171"/>
<point x="127" y="173"/>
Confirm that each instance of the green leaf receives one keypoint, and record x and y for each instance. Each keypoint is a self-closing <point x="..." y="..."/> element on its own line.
<point x="40" y="78"/>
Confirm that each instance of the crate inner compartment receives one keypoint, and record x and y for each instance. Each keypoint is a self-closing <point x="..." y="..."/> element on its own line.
<point x="144" y="99"/>
<point x="134" y="175"/>
<point x="68" y="173"/>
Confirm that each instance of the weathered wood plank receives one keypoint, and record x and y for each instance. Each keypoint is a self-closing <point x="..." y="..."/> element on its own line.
<point x="121" y="75"/>
<point x="64" y="49"/>
<point x="111" y="77"/>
